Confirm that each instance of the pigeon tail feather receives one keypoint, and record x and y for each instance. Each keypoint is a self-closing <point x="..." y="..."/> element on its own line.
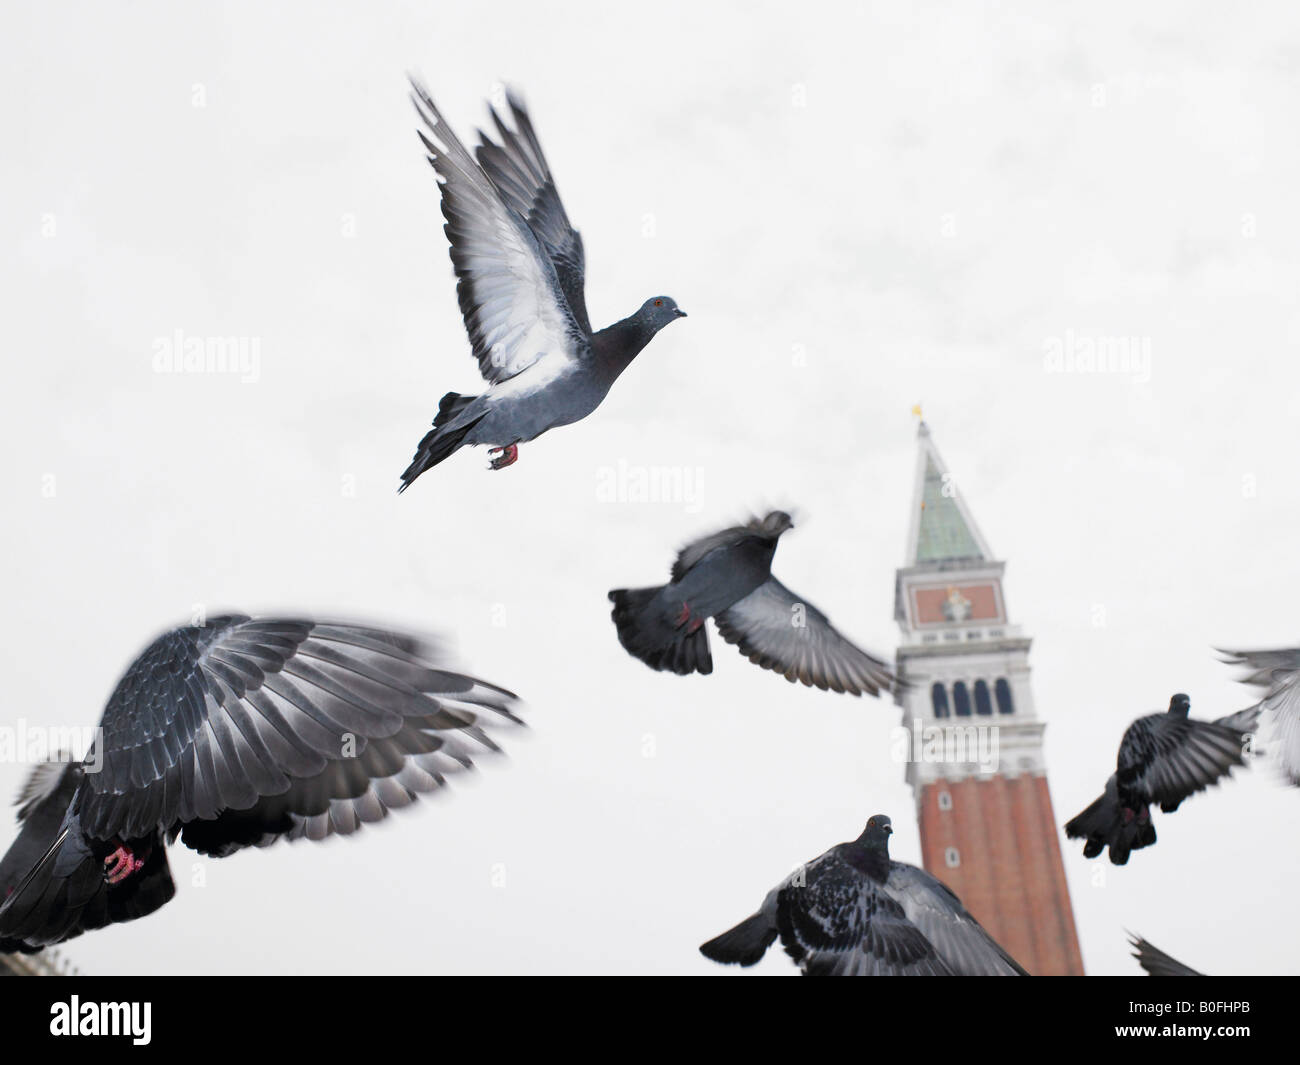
<point x="662" y="645"/>
<point x="743" y="945"/>
<point x="442" y="441"/>
<point x="1102" y="825"/>
<point x="65" y="894"/>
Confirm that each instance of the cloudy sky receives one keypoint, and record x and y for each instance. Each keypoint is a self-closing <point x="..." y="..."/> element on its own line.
<point x="862" y="207"/>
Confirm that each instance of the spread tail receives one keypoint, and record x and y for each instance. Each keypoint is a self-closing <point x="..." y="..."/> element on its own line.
<point x="442" y="440"/>
<point x="656" y="640"/>
<point x="743" y="945"/>
<point x="1103" y="825"/>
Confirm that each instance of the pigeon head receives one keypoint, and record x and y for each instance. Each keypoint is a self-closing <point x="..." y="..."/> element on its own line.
<point x="876" y="834"/>
<point x="775" y="523"/>
<point x="1180" y="705"/>
<point x="658" y="311"/>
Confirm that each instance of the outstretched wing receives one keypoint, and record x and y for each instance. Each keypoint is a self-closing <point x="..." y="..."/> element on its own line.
<point x="1266" y="667"/>
<point x="781" y="632"/>
<point x="1277" y="671"/>
<point x="1156" y="962"/>
<point x="521" y="174"/>
<point x="840" y="923"/>
<point x="958" y="939"/>
<point x="246" y="730"/>
<point x="515" y="310"/>
<point x="1165" y="758"/>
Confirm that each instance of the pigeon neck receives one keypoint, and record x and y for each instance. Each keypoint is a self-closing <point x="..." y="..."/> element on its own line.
<point x="870" y="857"/>
<point x="617" y="345"/>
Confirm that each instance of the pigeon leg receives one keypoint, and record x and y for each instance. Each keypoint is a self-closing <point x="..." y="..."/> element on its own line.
<point x="505" y="456"/>
<point x="121" y="864"/>
<point x="684" y="616"/>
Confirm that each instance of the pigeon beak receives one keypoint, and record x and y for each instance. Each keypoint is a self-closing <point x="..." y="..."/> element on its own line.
<point x="680" y="313"/>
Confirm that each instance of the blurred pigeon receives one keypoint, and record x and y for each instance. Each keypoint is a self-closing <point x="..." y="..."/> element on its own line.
<point x="853" y="912"/>
<point x="1156" y="962"/>
<point x="1278" y="673"/>
<point x="521" y="267"/>
<point x="727" y="576"/>
<point x="1163" y="758"/>
<point x="235" y="733"/>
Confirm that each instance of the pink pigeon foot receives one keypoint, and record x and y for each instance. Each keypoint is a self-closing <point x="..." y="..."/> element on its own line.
<point x="505" y="456"/>
<point x="121" y="864"/>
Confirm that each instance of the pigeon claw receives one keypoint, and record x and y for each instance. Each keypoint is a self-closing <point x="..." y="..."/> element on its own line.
<point x="121" y="864"/>
<point x="505" y="456"/>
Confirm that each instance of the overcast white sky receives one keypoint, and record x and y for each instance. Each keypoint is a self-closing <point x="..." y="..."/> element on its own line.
<point x="861" y="207"/>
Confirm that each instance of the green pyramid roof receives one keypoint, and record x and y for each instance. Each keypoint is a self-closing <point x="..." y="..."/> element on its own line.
<point x="944" y="529"/>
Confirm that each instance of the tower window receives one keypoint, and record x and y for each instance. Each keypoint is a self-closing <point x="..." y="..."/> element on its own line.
<point x="961" y="699"/>
<point x="983" y="704"/>
<point x="951" y="858"/>
<point x="945" y="800"/>
<point x="1003" y="692"/>
<point x="939" y="700"/>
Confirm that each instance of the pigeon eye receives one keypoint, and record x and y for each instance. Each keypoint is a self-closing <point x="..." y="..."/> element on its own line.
<point x="659" y="303"/>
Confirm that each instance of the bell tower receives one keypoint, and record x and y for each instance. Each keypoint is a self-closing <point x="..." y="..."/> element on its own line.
<point x="973" y="740"/>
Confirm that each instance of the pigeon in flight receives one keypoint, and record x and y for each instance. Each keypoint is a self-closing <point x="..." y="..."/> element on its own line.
<point x="520" y="268"/>
<point x="727" y="576"/>
<point x="235" y="733"/>
<point x="1156" y="962"/>
<point x="1278" y="673"/>
<point x="1163" y="758"/>
<point x="854" y="912"/>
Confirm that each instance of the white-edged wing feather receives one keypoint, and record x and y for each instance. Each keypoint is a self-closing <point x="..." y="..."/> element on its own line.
<point x="514" y="307"/>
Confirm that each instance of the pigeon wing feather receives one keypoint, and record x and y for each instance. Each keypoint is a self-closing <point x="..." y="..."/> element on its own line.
<point x="786" y="634"/>
<point x="841" y="923"/>
<point x="515" y="309"/>
<point x="960" y="941"/>
<point x="246" y="730"/>
<point x="1164" y="758"/>
<point x="518" y="168"/>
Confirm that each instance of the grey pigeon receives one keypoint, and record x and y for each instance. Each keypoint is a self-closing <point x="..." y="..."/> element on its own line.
<point x="521" y="268"/>
<point x="727" y="576"/>
<point x="1163" y="758"/>
<point x="854" y="912"/>
<point x="235" y="733"/>
<point x="1278" y="673"/>
<point x="1156" y="962"/>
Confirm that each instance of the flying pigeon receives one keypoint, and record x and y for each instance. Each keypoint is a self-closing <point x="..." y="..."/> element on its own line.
<point x="727" y="576"/>
<point x="853" y="912"/>
<point x="235" y="733"/>
<point x="1278" y="673"/>
<point x="1163" y="758"/>
<point x="1156" y="962"/>
<point x="521" y="267"/>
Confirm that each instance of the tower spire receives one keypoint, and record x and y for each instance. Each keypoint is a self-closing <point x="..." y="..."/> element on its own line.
<point x="941" y="529"/>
